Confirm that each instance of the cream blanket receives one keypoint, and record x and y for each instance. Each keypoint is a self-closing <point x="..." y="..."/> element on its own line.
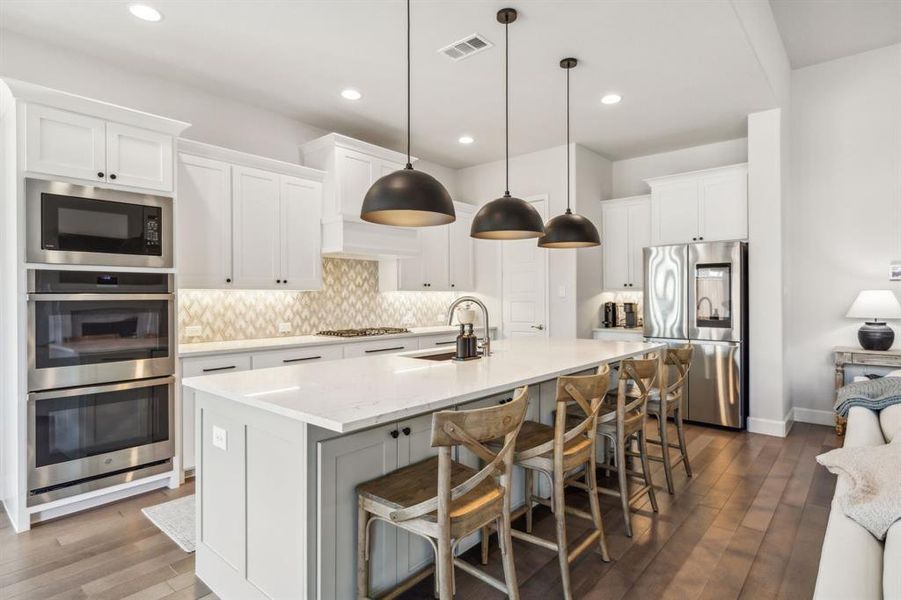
<point x="872" y="497"/>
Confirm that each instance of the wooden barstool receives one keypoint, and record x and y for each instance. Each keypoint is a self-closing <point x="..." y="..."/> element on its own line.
<point x="444" y="501"/>
<point x="623" y="421"/>
<point x="561" y="453"/>
<point x="671" y="406"/>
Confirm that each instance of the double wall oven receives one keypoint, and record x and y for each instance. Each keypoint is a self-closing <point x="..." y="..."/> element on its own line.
<point x="101" y="343"/>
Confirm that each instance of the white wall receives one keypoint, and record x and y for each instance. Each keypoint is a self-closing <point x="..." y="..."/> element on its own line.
<point x="629" y="174"/>
<point x="542" y="172"/>
<point x="845" y="214"/>
<point x="214" y="119"/>
<point x="593" y="182"/>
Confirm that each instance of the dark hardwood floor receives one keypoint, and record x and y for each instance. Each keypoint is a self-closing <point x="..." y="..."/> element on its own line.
<point x="749" y="524"/>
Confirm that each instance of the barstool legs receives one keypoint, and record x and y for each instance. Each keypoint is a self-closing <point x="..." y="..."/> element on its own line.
<point x="620" y="453"/>
<point x="595" y="502"/>
<point x="646" y="468"/>
<point x="680" y="431"/>
<point x="663" y="427"/>
<point x="506" y="543"/>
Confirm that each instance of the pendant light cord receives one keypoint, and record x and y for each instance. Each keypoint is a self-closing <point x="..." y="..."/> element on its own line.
<point x="567" y="141"/>
<point x="507" y="107"/>
<point x="409" y="162"/>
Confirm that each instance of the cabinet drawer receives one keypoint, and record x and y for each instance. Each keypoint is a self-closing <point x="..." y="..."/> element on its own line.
<point x="210" y="365"/>
<point x="429" y="342"/>
<point x="375" y="348"/>
<point x="295" y="356"/>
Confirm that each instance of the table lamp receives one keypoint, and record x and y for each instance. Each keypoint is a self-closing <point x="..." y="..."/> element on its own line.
<point x="874" y="305"/>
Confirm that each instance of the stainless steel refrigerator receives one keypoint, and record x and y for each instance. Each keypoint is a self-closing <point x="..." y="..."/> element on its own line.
<point x="698" y="294"/>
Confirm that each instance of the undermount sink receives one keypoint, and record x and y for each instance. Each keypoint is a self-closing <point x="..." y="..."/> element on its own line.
<point x="438" y="356"/>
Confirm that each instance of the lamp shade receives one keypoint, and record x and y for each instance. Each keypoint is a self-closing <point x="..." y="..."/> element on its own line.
<point x="875" y="304"/>
<point x="569" y="230"/>
<point x="507" y="218"/>
<point x="408" y="198"/>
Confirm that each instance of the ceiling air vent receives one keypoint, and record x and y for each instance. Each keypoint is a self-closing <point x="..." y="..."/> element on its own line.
<point x="468" y="46"/>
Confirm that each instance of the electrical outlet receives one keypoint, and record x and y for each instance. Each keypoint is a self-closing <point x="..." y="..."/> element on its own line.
<point x="561" y="291"/>
<point x="220" y="438"/>
<point x="194" y="330"/>
<point x="284" y="327"/>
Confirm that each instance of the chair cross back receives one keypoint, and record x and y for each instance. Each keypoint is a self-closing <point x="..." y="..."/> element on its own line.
<point x="680" y="358"/>
<point x="644" y="373"/>
<point x="470" y="428"/>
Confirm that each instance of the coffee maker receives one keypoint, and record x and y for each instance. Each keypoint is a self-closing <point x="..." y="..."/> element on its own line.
<point x="610" y="314"/>
<point x="630" y="309"/>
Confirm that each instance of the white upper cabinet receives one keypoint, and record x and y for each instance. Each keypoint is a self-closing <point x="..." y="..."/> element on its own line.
<point x="626" y="232"/>
<point x="351" y="167"/>
<point x="64" y="143"/>
<point x="461" y="256"/>
<point x="444" y="261"/>
<point x="256" y="206"/>
<point x="138" y="158"/>
<point x="257" y="220"/>
<point x="709" y="205"/>
<point x="70" y="144"/>
<point x="301" y="233"/>
<point x="203" y="212"/>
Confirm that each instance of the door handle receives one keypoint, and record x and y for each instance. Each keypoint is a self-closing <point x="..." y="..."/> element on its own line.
<point x="538" y="327"/>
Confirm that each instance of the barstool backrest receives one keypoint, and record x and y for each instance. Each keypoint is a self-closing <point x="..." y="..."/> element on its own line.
<point x="471" y="428"/>
<point x="643" y="372"/>
<point x="680" y="360"/>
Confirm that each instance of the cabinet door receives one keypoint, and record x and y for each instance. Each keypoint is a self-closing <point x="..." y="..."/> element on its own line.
<point x="374" y="348"/>
<point x="296" y="356"/>
<point x="724" y="206"/>
<point x="203" y="239"/>
<point x="63" y="143"/>
<point x="138" y="157"/>
<point x="414" y="445"/>
<point x="411" y="275"/>
<point x="639" y="238"/>
<point x="616" y="246"/>
<point x="344" y="463"/>
<point x="301" y="227"/>
<point x="256" y="203"/>
<point x="193" y="367"/>
<point x="674" y="208"/>
<point x="434" y="252"/>
<point x="460" y="255"/>
<point x="356" y="172"/>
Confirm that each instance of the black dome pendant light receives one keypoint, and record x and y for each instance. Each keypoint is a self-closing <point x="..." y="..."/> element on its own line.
<point x="569" y="230"/>
<point x="408" y="198"/>
<point x="507" y="218"/>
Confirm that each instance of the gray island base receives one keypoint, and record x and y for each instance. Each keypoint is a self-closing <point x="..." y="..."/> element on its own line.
<point x="280" y="452"/>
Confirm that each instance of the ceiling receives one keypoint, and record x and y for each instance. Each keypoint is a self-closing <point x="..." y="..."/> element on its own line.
<point x="685" y="69"/>
<point x="815" y="31"/>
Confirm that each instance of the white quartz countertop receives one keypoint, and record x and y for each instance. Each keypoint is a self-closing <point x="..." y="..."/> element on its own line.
<point x="357" y="393"/>
<point x="295" y="341"/>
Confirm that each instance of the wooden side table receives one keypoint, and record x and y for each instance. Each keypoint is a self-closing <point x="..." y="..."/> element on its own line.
<point x="850" y="355"/>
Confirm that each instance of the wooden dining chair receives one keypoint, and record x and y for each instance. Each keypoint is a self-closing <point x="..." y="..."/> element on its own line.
<point x="564" y="453"/>
<point x="622" y="421"/>
<point x="444" y="501"/>
<point x="661" y="406"/>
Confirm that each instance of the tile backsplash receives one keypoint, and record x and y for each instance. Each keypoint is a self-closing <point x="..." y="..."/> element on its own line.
<point x="349" y="297"/>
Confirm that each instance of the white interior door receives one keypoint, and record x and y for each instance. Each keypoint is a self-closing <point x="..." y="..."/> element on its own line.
<point x="524" y="268"/>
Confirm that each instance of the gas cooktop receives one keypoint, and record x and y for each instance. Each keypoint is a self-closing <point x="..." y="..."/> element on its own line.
<point x="365" y="332"/>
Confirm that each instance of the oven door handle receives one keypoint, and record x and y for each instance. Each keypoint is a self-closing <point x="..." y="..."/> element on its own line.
<point x="96" y="297"/>
<point x="99" y="389"/>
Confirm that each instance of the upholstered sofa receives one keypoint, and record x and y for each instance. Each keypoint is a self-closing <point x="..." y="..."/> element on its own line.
<point x="854" y="564"/>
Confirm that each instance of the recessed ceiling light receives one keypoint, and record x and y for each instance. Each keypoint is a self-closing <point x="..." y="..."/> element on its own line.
<point x="611" y="99"/>
<point x="145" y="13"/>
<point x="351" y="94"/>
<point x="466" y="139"/>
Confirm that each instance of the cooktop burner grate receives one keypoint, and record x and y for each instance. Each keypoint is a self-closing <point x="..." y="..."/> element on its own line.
<point x="365" y="332"/>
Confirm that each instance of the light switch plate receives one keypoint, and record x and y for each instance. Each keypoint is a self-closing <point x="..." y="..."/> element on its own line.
<point x="284" y="327"/>
<point x="194" y="330"/>
<point x="220" y="438"/>
<point x="561" y="291"/>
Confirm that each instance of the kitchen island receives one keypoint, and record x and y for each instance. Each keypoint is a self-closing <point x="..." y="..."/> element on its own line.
<point x="280" y="452"/>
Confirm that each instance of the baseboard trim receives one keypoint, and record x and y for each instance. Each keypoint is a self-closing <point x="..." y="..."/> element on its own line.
<point x="813" y="415"/>
<point x="772" y="426"/>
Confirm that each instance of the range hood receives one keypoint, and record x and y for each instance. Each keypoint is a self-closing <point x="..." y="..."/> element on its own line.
<point x="347" y="238"/>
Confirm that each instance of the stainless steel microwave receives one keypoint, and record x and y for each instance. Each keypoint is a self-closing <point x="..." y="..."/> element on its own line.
<point x="81" y="225"/>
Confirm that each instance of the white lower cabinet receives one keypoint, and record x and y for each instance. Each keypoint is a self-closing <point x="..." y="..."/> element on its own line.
<point x="343" y="463"/>
<point x="374" y="348"/>
<point x="193" y="367"/>
<point x="433" y="342"/>
<point x="282" y="358"/>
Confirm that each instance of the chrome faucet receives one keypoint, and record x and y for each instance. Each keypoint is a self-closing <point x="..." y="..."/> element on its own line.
<point x="486" y="345"/>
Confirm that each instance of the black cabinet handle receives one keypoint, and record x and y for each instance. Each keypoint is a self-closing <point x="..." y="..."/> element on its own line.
<point x="384" y="349"/>
<point x="453" y="285"/>
<point x="395" y="433"/>
<point x="212" y="369"/>
<point x="100" y="174"/>
<point x="701" y="238"/>
<point x="285" y="281"/>
<point x="228" y="280"/>
<point x="406" y="430"/>
<point x="112" y="176"/>
<point x="446" y="343"/>
<point x="505" y="401"/>
<point x="294" y="360"/>
<point x="278" y="281"/>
